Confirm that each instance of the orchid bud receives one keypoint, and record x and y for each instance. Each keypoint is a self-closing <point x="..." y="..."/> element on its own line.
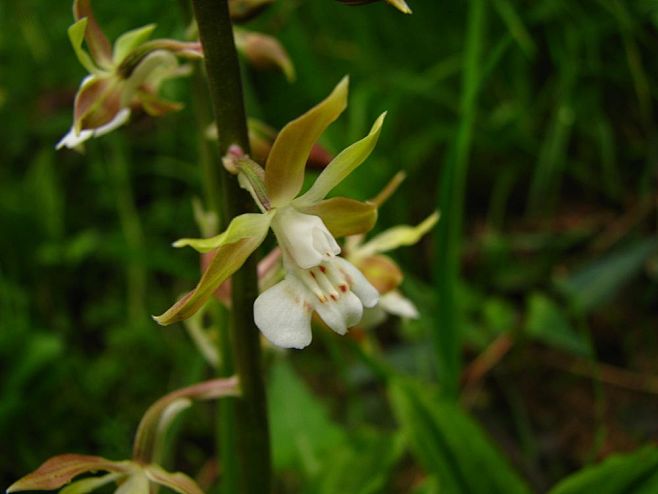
<point x="264" y="52"/>
<point x="244" y="10"/>
<point x="382" y="272"/>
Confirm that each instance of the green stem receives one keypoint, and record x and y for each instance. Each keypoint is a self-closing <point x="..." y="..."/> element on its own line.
<point x="446" y="337"/>
<point x="223" y="72"/>
<point x="213" y="181"/>
<point x="131" y="227"/>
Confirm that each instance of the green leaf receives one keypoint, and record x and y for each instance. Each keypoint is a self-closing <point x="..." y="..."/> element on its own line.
<point x="343" y="216"/>
<point x="343" y="164"/>
<point x="360" y="466"/>
<point x="241" y="227"/>
<point x="599" y="281"/>
<point x="634" y="473"/>
<point x="227" y="260"/>
<point x="284" y="171"/>
<point x="450" y="444"/>
<point x="130" y="40"/>
<point x="548" y="324"/>
<point x="76" y="36"/>
<point x="301" y="431"/>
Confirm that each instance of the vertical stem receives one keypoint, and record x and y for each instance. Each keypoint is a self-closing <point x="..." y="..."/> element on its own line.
<point x="447" y="338"/>
<point x="131" y="228"/>
<point x="213" y="181"/>
<point x="223" y="72"/>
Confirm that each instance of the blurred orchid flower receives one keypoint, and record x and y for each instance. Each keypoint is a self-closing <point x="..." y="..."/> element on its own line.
<point x="383" y="272"/>
<point x="133" y="476"/>
<point x="127" y="74"/>
<point x="305" y="227"/>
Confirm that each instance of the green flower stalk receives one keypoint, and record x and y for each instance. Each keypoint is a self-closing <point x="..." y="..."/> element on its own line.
<point x="305" y="227"/>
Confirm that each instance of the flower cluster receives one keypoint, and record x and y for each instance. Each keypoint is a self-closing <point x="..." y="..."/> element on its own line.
<point x="305" y="226"/>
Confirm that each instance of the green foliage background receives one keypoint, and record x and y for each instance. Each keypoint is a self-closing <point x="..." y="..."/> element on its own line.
<point x="559" y="259"/>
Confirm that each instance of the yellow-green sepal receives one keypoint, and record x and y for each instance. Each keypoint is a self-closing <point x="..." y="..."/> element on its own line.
<point x="97" y="42"/>
<point x="284" y="171"/>
<point x="343" y="164"/>
<point x="227" y="260"/>
<point x="398" y="236"/>
<point x="344" y="216"/>
<point x="130" y="40"/>
<point x="76" y="34"/>
<point x="241" y="227"/>
<point x="61" y="469"/>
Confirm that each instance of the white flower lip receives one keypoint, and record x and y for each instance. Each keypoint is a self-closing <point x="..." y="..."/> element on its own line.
<point x="335" y="289"/>
<point x="72" y="140"/>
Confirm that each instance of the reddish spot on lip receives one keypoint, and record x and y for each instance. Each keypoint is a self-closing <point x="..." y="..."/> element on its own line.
<point x="343" y="288"/>
<point x="323" y="269"/>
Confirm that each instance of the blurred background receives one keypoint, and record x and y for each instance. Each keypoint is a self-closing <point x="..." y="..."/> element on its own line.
<point x="530" y="124"/>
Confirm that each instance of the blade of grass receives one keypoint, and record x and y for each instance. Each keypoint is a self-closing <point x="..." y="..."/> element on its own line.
<point x="446" y="337"/>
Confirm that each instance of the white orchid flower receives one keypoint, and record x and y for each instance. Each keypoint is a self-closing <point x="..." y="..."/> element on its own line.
<point x="305" y="226"/>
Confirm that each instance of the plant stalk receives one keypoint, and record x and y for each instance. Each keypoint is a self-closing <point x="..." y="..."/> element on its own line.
<point x="252" y="448"/>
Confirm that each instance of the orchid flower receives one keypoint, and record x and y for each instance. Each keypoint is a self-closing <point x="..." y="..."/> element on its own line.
<point x="136" y="475"/>
<point x="305" y="226"/>
<point x="383" y="272"/>
<point x="122" y="76"/>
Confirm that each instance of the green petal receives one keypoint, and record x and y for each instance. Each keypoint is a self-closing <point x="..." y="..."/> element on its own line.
<point x="127" y="42"/>
<point x="229" y="258"/>
<point x="77" y="35"/>
<point x="245" y="225"/>
<point x="98" y="44"/>
<point x="284" y="172"/>
<point x="398" y="236"/>
<point x="343" y="216"/>
<point x="343" y="164"/>
<point x="87" y="485"/>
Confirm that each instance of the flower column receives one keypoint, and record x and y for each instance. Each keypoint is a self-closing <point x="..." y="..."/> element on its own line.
<point x="223" y="72"/>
